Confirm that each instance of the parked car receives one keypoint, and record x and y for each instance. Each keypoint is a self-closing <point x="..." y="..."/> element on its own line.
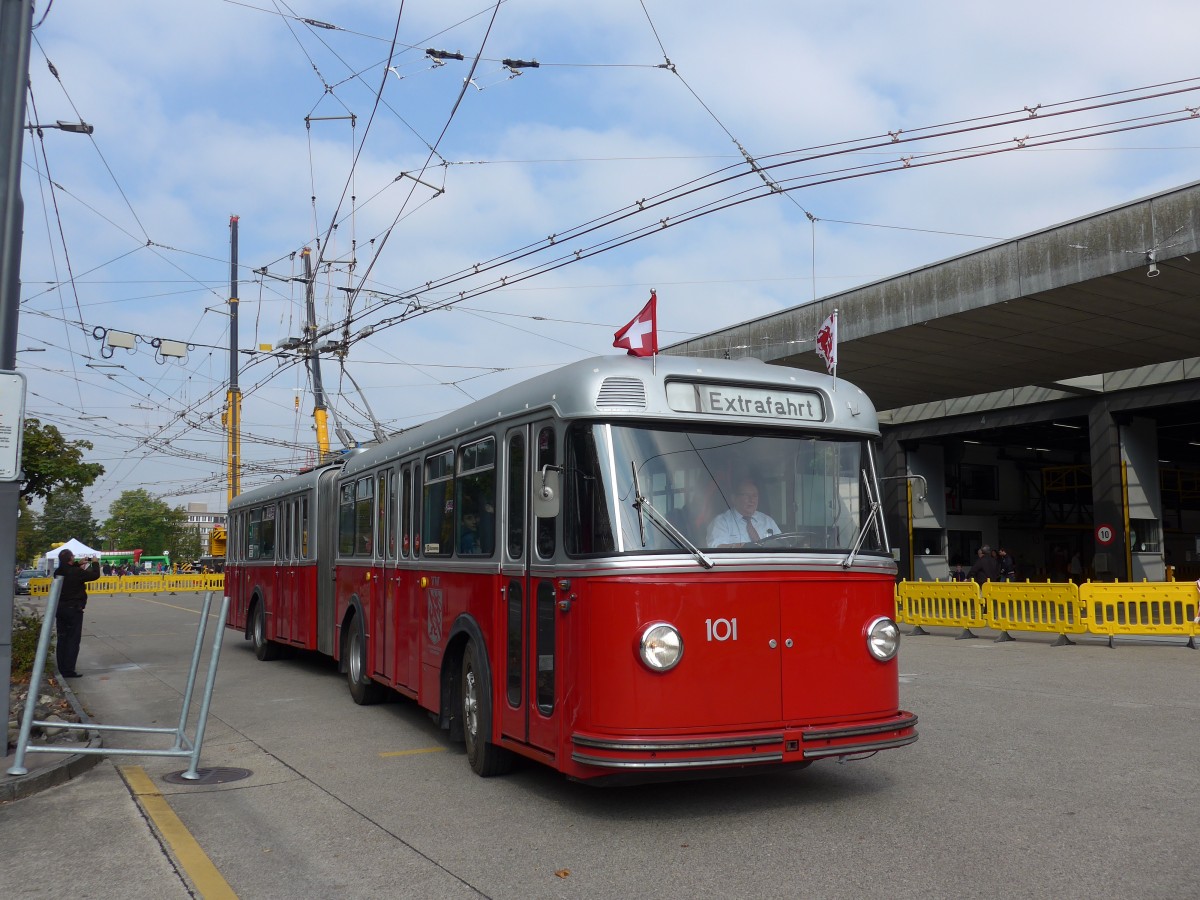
<point x="24" y="577"/>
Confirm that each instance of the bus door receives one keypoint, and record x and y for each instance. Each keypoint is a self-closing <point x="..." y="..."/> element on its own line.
<point x="305" y="631"/>
<point x="266" y="575"/>
<point x="405" y="589"/>
<point x="383" y="629"/>
<point x="527" y="669"/>
<point x="288" y="626"/>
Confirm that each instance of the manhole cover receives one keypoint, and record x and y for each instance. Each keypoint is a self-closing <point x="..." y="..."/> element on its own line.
<point x="220" y="775"/>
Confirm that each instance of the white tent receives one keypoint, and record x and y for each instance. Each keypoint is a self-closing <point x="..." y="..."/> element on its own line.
<point x="80" y="550"/>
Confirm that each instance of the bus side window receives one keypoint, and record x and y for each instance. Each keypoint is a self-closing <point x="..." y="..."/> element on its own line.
<point x="406" y="514"/>
<point x="303" y="528"/>
<point x="253" y="534"/>
<point x="346" y="520"/>
<point x="268" y="533"/>
<point x="392" y="513"/>
<point x="476" y="501"/>
<point x="516" y="496"/>
<point x="387" y="543"/>
<point x="587" y="526"/>
<point x="287" y="531"/>
<point x="364" y="516"/>
<point x="546" y="456"/>
<point x="439" y="504"/>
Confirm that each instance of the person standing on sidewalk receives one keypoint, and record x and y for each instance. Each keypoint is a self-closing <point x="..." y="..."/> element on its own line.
<point x="71" y="603"/>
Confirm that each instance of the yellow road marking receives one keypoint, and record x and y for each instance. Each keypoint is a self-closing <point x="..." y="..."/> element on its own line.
<point x="200" y="869"/>
<point x="387" y="753"/>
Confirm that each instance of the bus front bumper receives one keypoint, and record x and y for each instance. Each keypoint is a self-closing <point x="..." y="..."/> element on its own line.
<point x="790" y="745"/>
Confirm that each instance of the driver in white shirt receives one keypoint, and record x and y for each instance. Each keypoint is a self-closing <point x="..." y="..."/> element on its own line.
<point x="743" y="523"/>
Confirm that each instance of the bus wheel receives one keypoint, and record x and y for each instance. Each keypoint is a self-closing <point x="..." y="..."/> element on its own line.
<point x="486" y="758"/>
<point x="264" y="649"/>
<point x="362" y="688"/>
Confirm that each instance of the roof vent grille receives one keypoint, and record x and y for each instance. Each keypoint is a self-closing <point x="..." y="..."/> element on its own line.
<point x="621" y="393"/>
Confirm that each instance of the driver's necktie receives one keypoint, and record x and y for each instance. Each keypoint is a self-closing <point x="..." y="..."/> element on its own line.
<point x="750" y="529"/>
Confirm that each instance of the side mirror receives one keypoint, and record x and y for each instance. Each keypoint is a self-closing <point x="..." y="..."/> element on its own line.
<point x="547" y="493"/>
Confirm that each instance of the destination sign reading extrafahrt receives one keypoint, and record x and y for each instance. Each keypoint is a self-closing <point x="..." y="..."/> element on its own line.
<point x="735" y="400"/>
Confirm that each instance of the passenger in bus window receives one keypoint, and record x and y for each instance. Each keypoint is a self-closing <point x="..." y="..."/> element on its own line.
<point x="743" y="523"/>
<point x="468" y="539"/>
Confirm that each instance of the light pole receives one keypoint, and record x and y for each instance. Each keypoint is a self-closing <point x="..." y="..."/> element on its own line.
<point x="60" y="125"/>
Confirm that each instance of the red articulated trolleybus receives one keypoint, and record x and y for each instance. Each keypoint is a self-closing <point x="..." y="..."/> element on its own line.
<point x="622" y="569"/>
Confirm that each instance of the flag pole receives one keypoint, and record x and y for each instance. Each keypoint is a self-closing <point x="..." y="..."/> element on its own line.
<point x="835" y="347"/>
<point x="654" y="355"/>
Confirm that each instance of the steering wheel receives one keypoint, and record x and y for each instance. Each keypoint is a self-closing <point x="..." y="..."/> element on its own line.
<point x="794" y="538"/>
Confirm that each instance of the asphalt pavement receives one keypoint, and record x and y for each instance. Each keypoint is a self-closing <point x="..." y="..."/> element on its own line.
<point x="75" y="829"/>
<point x="1041" y="771"/>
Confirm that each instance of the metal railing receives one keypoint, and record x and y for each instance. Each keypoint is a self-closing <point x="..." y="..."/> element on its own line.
<point x="183" y="746"/>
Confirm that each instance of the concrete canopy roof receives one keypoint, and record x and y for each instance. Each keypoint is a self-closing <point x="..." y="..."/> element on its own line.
<point x="1071" y="301"/>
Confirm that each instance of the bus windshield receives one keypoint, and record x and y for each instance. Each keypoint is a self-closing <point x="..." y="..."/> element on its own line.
<point x="724" y="489"/>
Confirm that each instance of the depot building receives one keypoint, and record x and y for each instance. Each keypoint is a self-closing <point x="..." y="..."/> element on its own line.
<point x="1041" y="394"/>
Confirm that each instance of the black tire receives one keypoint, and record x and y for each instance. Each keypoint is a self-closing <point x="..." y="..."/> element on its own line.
<point x="485" y="758"/>
<point x="264" y="649"/>
<point x="362" y="688"/>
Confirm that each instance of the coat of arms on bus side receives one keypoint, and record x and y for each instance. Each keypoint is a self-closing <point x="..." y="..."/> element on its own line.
<point x="433" y="615"/>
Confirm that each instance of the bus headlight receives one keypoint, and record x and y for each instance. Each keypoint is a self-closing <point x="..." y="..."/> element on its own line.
<point x="883" y="638"/>
<point x="661" y="647"/>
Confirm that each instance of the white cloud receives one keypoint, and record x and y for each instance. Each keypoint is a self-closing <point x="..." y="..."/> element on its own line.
<point x="200" y="112"/>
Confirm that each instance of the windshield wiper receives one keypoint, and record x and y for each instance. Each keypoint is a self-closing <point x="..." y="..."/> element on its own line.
<point x="869" y="522"/>
<point x="640" y="502"/>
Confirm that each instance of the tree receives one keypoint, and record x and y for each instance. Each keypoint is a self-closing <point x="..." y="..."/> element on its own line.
<point x="49" y="461"/>
<point x="66" y="516"/>
<point x="139" y="521"/>
<point x="29" y="534"/>
<point x="189" y="547"/>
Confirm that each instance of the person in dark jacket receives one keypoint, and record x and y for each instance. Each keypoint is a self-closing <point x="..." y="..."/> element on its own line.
<point x="1008" y="569"/>
<point x="71" y="603"/>
<point x="985" y="568"/>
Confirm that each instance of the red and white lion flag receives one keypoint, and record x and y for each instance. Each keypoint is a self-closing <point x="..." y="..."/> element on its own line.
<point x="640" y="336"/>
<point x="827" y="342"/>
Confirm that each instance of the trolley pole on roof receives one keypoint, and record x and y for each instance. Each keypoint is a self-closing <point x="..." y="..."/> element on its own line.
<point x="320" y="418"/>
<point x="233" y="399"/>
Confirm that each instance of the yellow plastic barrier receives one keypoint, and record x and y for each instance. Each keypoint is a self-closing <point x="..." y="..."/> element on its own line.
<point x="139" y="584"/>
<point x="40" y="587"/>
<point x="1145" y="608"/>
<point x="129" y="584"/>
<point x="948" y="603"/>
<point x="1050" y="607"/>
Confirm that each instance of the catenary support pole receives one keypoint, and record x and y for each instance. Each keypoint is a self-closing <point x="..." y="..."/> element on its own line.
<point x="233" y="402"/>
<point x="16" y="20"/>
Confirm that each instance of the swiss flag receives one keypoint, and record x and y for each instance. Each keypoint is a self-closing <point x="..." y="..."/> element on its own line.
<point x="640" y="336"/>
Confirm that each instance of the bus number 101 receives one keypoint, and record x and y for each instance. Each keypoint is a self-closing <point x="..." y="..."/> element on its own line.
<point x="721" y="629"/>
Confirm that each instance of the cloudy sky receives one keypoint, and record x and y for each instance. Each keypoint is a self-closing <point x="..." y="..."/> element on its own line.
<point x="475" y="223"/>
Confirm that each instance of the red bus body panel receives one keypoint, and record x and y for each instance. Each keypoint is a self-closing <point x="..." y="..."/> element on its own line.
<point x="288" y="594"/>
<point x="731" y="700"/>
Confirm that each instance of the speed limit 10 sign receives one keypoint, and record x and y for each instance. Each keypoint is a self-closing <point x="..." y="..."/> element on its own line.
<point x="1105" y="534"/>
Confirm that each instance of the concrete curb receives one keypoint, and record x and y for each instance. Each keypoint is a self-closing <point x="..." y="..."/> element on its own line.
<point x="66" y="766"/>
